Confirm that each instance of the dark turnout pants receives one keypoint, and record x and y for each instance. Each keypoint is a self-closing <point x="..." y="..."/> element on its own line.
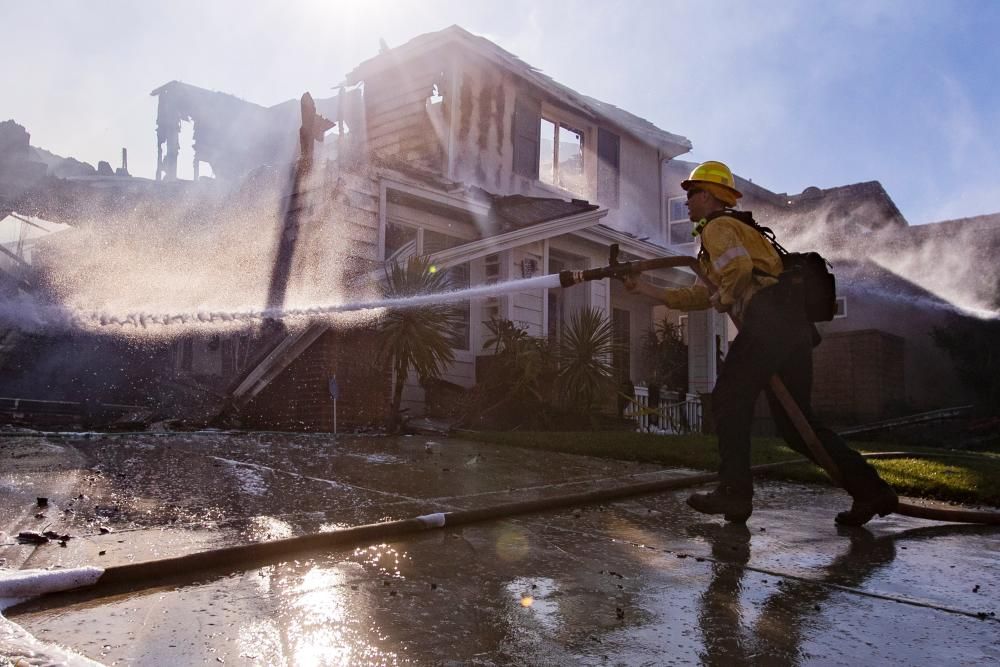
<point x="775" y="338"/>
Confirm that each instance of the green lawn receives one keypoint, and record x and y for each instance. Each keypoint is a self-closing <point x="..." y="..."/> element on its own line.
<point x="967" y="477"/>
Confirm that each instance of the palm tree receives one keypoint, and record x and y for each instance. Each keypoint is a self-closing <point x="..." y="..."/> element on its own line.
<point x="585" y="371"/>
<point x="420" y="339"/>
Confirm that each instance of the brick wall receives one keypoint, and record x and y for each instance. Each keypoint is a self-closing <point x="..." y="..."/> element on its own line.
<point x="858" y="377"/>
<point x="299" y="398"/>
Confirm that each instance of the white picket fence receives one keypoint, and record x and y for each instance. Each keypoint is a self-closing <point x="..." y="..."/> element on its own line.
<point x="676" y="413"/>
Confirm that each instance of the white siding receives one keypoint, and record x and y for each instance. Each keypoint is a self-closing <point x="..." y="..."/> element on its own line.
<point x="638" y="211"/>
<point x="701" y="354"/>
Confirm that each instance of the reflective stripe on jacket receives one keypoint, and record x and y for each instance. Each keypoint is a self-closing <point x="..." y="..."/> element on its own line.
<point x="732" y="251"/>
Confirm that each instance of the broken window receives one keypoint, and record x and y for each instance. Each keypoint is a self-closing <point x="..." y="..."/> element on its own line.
<point x="608" y="160"/>
<point x="560" y="156"/>
<point x="679" y="225"/>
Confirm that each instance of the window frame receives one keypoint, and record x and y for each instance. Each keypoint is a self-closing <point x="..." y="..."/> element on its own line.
<point x="841" y="308"/>
<point x="671" y="221"/>
<point x="561" y="118"/>
<point x="560" y="125"/>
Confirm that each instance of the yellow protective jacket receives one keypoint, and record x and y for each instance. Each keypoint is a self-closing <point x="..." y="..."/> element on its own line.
<point x="730" y="251"/>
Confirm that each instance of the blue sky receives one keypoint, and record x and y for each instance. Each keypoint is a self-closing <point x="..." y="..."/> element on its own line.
<point x="790" y="94"/>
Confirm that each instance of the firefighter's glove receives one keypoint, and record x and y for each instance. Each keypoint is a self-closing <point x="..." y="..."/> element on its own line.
<point x="716" y="301"/>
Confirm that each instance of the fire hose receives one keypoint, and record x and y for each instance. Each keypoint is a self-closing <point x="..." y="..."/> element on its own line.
<point x="619" y="270"/>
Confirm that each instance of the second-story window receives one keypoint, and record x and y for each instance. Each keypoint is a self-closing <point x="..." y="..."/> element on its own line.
<point x="560" y="159"/>
<point x="679" y="225"/>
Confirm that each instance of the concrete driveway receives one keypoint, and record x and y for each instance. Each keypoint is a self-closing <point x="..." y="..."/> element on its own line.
<point x="640" y="581"/>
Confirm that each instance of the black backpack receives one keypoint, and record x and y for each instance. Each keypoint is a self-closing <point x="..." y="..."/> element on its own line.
<point x="807" y="272"/>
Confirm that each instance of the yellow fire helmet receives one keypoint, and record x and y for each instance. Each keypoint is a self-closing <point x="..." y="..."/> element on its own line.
<point x="715" y="175"/>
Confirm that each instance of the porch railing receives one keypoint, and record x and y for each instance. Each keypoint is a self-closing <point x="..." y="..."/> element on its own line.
<point x="675" y="413"/>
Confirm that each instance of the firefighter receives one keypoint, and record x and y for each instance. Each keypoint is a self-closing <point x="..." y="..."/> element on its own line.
<point x="775" y="337"/>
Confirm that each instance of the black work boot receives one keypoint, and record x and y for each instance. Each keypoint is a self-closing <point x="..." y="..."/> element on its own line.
<point x="734" y="505"/>
<point x="864" y="508"/>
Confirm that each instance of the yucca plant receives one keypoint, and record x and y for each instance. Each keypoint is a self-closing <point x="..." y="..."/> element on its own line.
<point x="586" y="376"/>
<point x="521" y="373"/>
<point x="420" y="339"/>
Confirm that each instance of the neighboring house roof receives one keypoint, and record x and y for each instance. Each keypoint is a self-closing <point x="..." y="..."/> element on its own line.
<point x="871" y="278"/>
<point x="954" y="256"/>
<point x="846" y="201"/>
<point x="866" y="204"/>
<point x="669" y="144"/>
<point x="986" y="226"/>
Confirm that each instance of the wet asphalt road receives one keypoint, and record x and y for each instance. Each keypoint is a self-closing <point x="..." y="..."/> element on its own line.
<point x="642" y="581"/>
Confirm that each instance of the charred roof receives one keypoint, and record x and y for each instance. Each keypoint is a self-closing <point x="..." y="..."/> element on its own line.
<point x="456" y="37"/>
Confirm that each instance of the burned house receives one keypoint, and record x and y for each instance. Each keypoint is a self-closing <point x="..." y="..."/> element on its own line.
<point x="450" y="147"/>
